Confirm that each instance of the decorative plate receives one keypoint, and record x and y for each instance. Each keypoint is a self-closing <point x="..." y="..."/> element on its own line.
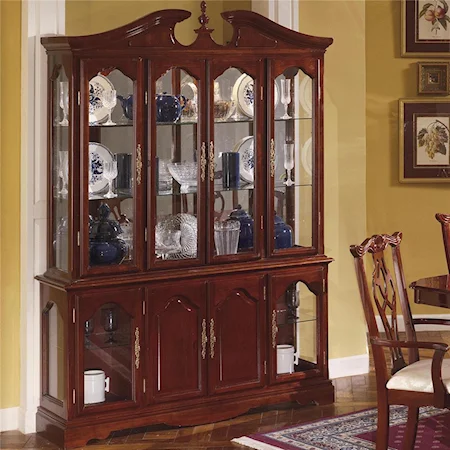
<point x="189" y="89"/>
<point x="307" y="156"/>
<point x="243" y="95"/>
<point x="97" y="88"/>
<point x="245" y="148"/>
<point x="98" y="155"/>
<point x="305" y="95"/>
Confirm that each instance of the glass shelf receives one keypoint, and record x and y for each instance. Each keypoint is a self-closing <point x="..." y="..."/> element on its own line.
<point x="227" y="122"/>
<point x="117" y="125"/>
<point x="120" y="196"/>
<point x="280" y="185"/>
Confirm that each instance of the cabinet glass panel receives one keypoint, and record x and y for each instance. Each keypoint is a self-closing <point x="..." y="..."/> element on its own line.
<point x="110" y="169"/>
<point x="60" y="167"/>
<point x="296" y="325"/>
<point x="293" y="160"/>
<point x="53" y="350"/>
<point x="108" y="356"/>
<point x="177" y="161"/>
<point x="234" y="160"/>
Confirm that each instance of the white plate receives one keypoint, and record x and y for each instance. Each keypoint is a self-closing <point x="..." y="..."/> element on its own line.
<point x="305" y="95"/>
<point x="97" y="88"/>
<point x="189" y="90"/>
<point x="98" y="155"/>
<point x="307" y="156"/>
<point x="245" y="148"/>
<point x="243" y="95"/>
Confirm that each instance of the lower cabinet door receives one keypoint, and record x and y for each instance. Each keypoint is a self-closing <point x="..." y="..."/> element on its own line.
<point x="178" y="327"/>
<point x="110" y="337"/>
<point x="236" y="328"/>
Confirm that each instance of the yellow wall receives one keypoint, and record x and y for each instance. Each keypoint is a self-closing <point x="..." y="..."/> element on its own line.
<point x="10" y="54"/>
<point x="345" y="155"/>
<point x="392" y="206"/>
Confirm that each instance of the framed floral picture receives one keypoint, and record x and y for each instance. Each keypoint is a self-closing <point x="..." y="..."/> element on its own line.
<point x="425" y="28"/>
<point x="424" y="131"/>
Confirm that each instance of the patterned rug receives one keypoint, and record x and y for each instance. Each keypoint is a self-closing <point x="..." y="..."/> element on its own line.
<point x="356" y="431"/>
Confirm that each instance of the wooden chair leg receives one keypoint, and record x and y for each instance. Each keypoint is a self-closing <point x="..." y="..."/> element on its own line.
<point x="382" y="424"/>
<point x="411" y="428"/>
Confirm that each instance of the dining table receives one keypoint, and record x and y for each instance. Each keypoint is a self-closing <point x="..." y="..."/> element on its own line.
<point x="433" y="291"/>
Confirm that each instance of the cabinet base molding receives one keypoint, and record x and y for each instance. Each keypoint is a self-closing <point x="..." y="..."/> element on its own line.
<point x="78" y="432"/>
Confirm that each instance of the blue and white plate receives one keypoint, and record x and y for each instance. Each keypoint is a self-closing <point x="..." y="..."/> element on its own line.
<point x="245" y="148"/>
<point x="97" y="88"/>
<point x="98" y="155"/>
<point x="244" y="97"/>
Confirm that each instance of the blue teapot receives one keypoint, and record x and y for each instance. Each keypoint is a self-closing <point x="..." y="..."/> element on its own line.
<point x="169" y="107"/>
<point x="246" y="230"/>
<point x="127" y="106"/>
<point x="283" y="233"/>
<point x="104" y="246"/>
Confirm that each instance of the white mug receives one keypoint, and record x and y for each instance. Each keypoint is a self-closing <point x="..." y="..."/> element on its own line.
<point x="95" y="386"/>
<point x="286" y="358"/>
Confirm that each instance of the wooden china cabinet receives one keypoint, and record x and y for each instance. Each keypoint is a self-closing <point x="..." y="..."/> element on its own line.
<point x="186" y="279"/>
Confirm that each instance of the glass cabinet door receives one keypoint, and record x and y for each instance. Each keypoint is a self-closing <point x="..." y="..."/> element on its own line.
<point x="295" y="327"/>
<point x="178" y="171"/>
<point x="234" y="162"/>
<point x="60" y="154"/>
<point x="111" y="337"/>
<point x="293" y="196"/>
<point x="112" y="166"/>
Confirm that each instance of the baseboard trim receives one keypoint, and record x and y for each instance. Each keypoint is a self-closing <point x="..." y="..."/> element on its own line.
<point x="401" y="322"/>
<point x="348" y="366"/>
<point x="9" y="419"/>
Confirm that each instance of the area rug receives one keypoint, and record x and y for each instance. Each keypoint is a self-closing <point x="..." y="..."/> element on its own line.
<point x="356" y="431"/>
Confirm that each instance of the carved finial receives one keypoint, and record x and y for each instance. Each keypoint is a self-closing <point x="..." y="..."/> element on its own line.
<point x="203" y="19"/>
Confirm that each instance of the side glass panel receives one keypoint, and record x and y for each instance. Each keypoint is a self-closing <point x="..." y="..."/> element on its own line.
<point x="108" y="353"/>
<point x="293" y="159"/>
<point x="177" y="161"/>
<point x="60" y="167"/>
<point x="53" y="352"/>
<point x="110" y="169"/>
<point x="235" y="162"/>
<point x="296" y="320"/>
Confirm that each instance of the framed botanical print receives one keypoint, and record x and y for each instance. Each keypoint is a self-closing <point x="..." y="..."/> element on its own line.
<point x="424" y="131"/>
<point x="432" y="77"/>
<point x="425" y="28"/>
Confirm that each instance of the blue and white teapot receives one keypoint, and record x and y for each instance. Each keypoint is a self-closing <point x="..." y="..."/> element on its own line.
<point x="169" y="107"/>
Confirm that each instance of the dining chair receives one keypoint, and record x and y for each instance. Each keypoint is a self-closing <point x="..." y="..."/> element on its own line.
<point x="412" y="381"/>
<point x="444" y="220"/>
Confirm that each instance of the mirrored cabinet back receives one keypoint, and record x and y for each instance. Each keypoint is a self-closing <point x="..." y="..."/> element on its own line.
<point x="186" y="281"/>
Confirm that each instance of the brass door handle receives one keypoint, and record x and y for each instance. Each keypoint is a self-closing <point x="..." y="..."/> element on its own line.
<point x="203" y="162"/>
<point x="212" y="338"/>
<point x="138" y="164"/>
<point x="211" y="161"/>
<point x="274" y="329"/>
<point x="272" y="158"/>
<point x="204" y="339"/>
<point x="137" y="348"/>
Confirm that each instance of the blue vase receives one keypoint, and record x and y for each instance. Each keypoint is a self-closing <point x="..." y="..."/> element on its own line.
<point x="246" y="229"/>
<point x="283" y="234"/>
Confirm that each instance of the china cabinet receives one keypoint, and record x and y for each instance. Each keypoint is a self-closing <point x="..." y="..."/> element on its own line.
<point x="186" y="279"/>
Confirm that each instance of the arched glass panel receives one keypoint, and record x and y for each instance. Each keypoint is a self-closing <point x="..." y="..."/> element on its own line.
<point x="235" y="162"/>
<point x="110" y="169"/>
<point x="177" y="165"/>
<point x="293" y="161"/>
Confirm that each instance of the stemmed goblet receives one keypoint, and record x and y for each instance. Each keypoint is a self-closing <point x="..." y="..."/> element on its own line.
<point x="289" y="161"/>
<point x="110" y="324"/>
<point x="292" y="303"/>
<point x="88" y="329"/>
<point x="109" y="100"/>
<point x="64" y="101"/>
<point x="63" y="171"/>
<point x="286" y="96"/>
<point x="110" y="173"/>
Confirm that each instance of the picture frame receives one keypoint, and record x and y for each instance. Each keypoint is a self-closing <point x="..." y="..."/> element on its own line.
<point x="432" y="77"/>
<point x="424" y="131"/>
<point x="425" y="28"/>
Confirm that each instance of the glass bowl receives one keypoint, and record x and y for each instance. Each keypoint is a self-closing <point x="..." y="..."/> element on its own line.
<point x="184" y="173"/>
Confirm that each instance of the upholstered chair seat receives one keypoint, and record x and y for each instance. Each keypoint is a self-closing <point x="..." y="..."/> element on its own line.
<point x="417" y="377"/>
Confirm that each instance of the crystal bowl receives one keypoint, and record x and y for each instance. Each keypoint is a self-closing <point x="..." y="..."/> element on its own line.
<point x="184" y="173"/>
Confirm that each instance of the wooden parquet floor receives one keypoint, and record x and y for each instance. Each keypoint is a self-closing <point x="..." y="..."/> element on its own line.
<point x="352" y="394"/>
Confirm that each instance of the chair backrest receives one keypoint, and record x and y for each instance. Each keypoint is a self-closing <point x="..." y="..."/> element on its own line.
<point x="378" y="291"/>
<point x="444" y="220"/>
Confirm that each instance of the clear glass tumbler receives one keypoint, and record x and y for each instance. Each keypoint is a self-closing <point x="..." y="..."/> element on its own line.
<point x="226" y="236"/>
